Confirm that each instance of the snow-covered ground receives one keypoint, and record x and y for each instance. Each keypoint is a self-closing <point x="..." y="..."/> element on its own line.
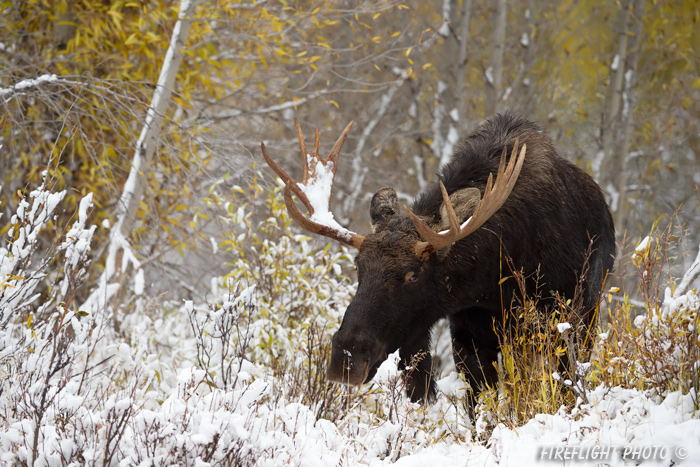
<point x="200" y="383"/>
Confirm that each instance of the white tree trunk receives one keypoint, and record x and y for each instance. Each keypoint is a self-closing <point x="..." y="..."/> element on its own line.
<point x="118" y="246"/>
<point x="494" y="72"/>
<point x="629" y="101"/>
<point x="359" y="166"/>
<point x="461" y="72"/>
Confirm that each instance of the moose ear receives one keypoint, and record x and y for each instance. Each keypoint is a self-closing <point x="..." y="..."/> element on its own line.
<point x="384" y="207"/>
<point x="464" y="202"/>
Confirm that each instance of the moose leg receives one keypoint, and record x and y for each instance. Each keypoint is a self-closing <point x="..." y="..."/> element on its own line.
<point x="416" y="363"/>
<point x="475" y="354"/>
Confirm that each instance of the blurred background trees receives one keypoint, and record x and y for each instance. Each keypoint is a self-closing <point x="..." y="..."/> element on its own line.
<point x="615" y="84"/>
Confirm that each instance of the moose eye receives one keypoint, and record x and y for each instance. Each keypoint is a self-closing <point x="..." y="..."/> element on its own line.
<point x="410" y="277"/>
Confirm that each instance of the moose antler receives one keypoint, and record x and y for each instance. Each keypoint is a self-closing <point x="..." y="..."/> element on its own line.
<point x="495" y="194"/>
<point x="315" y="189"/>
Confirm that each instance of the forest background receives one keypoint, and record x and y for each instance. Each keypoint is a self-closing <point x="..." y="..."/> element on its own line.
<point x="615" y="84"/>
<point x="148" y="116"/>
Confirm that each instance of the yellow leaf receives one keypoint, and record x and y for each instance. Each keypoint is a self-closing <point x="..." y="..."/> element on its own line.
<point x="396" y="34"/>
<point x="408" y="51"/>
<point x="696" y="83"/>
<point x="29" y="321"/>
<point x="427" y="65"/>
<point x="334" y="103"/>
<point x="131" y="39"/>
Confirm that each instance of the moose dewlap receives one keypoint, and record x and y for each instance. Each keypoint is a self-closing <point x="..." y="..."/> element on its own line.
<point x="506" y="200"/>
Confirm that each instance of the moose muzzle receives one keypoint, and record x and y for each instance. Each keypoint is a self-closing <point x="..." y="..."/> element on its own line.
<point x="355" y="358"/>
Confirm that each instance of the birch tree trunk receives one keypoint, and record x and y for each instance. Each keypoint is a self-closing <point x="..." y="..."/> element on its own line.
<point x="118" y="245"/>
<point x="617" y="67"/>
<point x="494" y="72"/>
<point x="629" y="101"/>
<point x="359" y="167"/>
<point x="450" y="109"/>
<point x="461" y="65"/>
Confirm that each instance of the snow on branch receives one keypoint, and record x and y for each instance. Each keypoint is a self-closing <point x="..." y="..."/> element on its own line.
<point x="145" y="148"/>
<point x="690" y="275"/>
<point x="20" y="272"/>
<point x="26" y="84"/>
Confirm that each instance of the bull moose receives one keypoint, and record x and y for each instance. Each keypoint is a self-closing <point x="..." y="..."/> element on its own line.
<point x="446" y="256"/>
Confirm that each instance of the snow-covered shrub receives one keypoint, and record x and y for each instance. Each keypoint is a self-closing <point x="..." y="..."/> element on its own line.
<point x="301" y="288"/>
<point x="222" y="336"/>
<point x="658" y="349"/>
<point x="239" y="379"/>
<point x="44" y="341"/>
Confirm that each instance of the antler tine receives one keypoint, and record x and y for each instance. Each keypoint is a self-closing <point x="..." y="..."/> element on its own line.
<point x="495" y="194"/>
<point x="304" y="152"/>
<point x="316" y="142"/>
<point x="300" y="136"/>
<point x="335" y="152"/>
<point x="315" y="177"/>
<point x="276" y="168"/>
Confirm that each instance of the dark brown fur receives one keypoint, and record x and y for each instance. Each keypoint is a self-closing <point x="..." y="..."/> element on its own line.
<point x="555" y="215"/>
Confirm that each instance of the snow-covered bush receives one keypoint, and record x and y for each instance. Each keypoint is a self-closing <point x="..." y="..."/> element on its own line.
<point x="239" y="379"/>
<point x="657" y="349"/>
<point x="45" y="342"/>
<point x="302" y="289"/>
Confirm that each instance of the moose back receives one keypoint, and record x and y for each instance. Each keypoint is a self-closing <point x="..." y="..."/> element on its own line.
<point x="445" y="257"/>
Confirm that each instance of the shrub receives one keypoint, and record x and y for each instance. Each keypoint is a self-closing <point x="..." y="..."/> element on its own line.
<point x="658" y="349"/>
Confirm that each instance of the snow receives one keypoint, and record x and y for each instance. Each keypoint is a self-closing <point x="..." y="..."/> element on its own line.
<point x="28" y="84"/>
<point x="444" y="30"/>
<point x="139" y="282"/>
<point x="452" y="385"/>
<point x="388" y="370"/>
<point x="525" y="40"/>
<point x="690" y="275"/>
<point x="615" y="63"/>
<point x="563" y="327"/>
<point x="318" y="191"/>
<point x="488" y="74"/>
<point x="454" y="115"/>
<point x="461" y="226"/>
<point x="642" y="245"/>
<point x="169" y="388"/>
<point x="507" y="93"/>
